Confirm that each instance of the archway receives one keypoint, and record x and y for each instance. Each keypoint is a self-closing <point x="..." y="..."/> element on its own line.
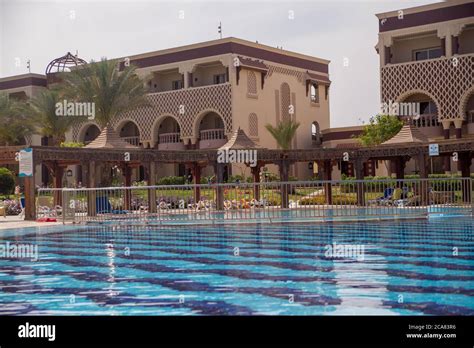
<point x="89" y="133"/>
<point x="420" y="103"/>
<point x="129" y="132"/>
<point x="210" y="130"/>
<point x="316" y="133"/>
<point x="167" y="134"/>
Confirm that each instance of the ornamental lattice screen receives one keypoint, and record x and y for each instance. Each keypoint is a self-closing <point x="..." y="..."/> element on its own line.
<point x="446" y="80"/>
<point x="194" y="101"/>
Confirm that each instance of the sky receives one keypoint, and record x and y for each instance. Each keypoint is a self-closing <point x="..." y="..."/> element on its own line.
<point x="340" y="31"/>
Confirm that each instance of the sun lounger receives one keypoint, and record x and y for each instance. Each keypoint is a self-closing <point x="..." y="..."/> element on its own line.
<point x="103" y="206"/>
<point x="385" y="199"/>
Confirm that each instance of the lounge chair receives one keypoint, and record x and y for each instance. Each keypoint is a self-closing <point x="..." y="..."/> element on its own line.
<point x="411" y="201"/>
<point x="396" y="196"/>
<point x="385" y="199"/>
<point x="103" y="206"/>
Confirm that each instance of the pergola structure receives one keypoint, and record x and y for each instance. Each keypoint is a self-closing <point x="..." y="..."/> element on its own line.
<point x="113" y="150"/>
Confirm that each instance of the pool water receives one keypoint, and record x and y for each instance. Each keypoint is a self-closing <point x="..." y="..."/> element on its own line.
<point x="420" y="267"/>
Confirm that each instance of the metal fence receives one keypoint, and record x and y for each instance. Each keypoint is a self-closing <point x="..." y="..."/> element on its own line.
<point x="267" y="201"/>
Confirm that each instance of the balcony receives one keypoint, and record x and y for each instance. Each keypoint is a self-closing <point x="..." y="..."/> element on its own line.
<point x="429" y="120"/>
<point x="135" y="141"/>
<point x="184" y="105"/>
<point x="170" y="141"/>
<point x="445" y="80"/>
<point x="212" y="138"/>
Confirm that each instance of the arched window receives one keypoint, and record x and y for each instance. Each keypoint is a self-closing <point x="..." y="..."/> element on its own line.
<point x="316" y="133"/>
<point x="253" y="125"/>
<point x="251" y="83"/>
<point x="314" y="92"/>
<point x="285" y="101"/>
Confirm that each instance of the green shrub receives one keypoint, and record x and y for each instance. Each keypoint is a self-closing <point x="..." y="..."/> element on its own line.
<point x="172" y="180"/>
<point x="71" y="144"/>
<point x="7" y="182"/>
<point x="235" y="178"/>
<point x="336" y="199"/>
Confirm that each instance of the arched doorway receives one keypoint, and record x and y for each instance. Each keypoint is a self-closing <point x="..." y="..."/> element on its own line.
<point x="130" y="133"/>
<point x="168" y="134"/>
<point x="469" y="109"/>
<point x="422" y="104"/>
<point x="316" y="133"/>
<point x="211" y="131"/>
<point x="90" y="133"/>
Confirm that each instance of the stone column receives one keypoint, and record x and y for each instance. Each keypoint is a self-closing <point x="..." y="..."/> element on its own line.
<point x="458" y="124"/>
<point x="196" y="173"/>
<point x="446" y="126"/>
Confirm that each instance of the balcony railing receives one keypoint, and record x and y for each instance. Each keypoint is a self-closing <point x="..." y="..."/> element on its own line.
<point x="212" y="134"/>
<point x="169" y="138"/>
<point x="132" y="140"/>
<point x="427" y="120"/>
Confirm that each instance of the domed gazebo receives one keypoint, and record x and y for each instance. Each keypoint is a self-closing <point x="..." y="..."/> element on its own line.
<point x="62" y="64"/>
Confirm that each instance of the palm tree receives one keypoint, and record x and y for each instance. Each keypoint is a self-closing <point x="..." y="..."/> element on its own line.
<point x="42" y="109"/>
<point x="113" y="92"/>
<point x="15" y="126"/>
<point x="283" y="133"/>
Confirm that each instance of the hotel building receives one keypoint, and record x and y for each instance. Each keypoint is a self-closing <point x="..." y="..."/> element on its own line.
<point x="426" y="57"/>
<point x="201" y="93"/>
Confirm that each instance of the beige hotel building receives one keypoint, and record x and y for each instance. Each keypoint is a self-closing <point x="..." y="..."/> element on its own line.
<point x="203" y="92"/>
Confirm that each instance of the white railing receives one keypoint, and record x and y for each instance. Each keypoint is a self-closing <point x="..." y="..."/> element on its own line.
<point x="426" y="120"/>
<point x="269" y="201"/>
<point x="212" y="134"/>
<point x="169" y="138"/>
<point x="132" y="140"/>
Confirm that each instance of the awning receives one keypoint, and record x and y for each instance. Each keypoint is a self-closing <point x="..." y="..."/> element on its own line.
<point x="312" y="77"/>
<point x="252" y="64"/>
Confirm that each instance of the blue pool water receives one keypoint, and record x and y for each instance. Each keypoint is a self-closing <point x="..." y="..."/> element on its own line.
<point x="418" y="267"/>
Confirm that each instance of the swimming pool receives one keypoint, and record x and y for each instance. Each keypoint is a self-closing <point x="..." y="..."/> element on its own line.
<point x="419" y="267"/>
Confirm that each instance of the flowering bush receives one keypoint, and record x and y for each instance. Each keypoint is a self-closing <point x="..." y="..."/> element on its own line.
<point x="12" y="206"/>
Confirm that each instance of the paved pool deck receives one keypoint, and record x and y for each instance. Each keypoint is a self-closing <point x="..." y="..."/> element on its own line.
<point x="11" y="222"/>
